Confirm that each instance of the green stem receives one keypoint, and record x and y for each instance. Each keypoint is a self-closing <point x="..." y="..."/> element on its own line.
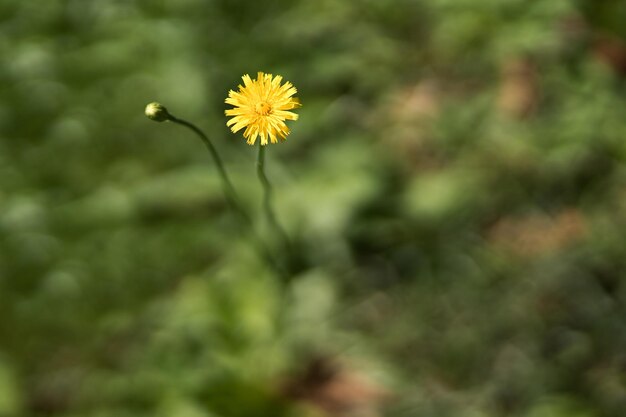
<point x="227" y="185"/>
<point x="267" y="199"/>
<point x="230" y="193"/>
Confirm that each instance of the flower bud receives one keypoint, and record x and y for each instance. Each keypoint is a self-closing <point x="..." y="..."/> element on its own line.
<point x="157" y="112"/>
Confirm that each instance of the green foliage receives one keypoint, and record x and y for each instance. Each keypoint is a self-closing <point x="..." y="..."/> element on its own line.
<point x="453" y="190"/>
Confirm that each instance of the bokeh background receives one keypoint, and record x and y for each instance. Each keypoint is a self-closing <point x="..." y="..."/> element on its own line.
<point x="455" y="191"/>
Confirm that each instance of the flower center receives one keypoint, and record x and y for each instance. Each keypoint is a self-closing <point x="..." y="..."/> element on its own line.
<point x="262" y="108"/>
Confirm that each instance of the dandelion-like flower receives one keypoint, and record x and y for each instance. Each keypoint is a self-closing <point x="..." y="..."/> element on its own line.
<point x="262" y="106"/>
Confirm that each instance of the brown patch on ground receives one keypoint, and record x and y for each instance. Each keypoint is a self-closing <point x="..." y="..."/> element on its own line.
<point x="611" y="50"/>
<point x="538" y="233"/>
<point x="519" y="90"/>
<point x="408" y="114"/>
<point x="335" y="389"/>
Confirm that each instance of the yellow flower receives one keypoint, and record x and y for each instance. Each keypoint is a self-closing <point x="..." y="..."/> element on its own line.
<point x="262" y="106"/>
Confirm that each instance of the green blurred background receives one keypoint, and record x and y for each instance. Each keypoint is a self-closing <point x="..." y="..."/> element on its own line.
<point x="455" y="190"/>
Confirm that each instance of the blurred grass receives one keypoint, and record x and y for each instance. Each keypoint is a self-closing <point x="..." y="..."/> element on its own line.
<point x="454" y="188"/>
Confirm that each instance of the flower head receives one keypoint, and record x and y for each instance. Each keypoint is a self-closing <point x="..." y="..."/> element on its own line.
<point x="262" y="106"/>
<point x="157" y="112"/>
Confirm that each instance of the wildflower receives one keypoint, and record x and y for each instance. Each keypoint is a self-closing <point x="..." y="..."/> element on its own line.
<point x="157" y="112"/>
<point x="262" y="106"/>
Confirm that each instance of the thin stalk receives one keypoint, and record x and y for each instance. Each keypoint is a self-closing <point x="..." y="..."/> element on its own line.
<point x="230" y="193"/>
<point x="267" y="200"/>
<point x="227" y="185"/>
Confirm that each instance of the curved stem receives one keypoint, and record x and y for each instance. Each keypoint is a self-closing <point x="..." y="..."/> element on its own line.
<point x="227" y="185"/>
<point x="230" y="193"/>
<point x="267" y="199"/>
